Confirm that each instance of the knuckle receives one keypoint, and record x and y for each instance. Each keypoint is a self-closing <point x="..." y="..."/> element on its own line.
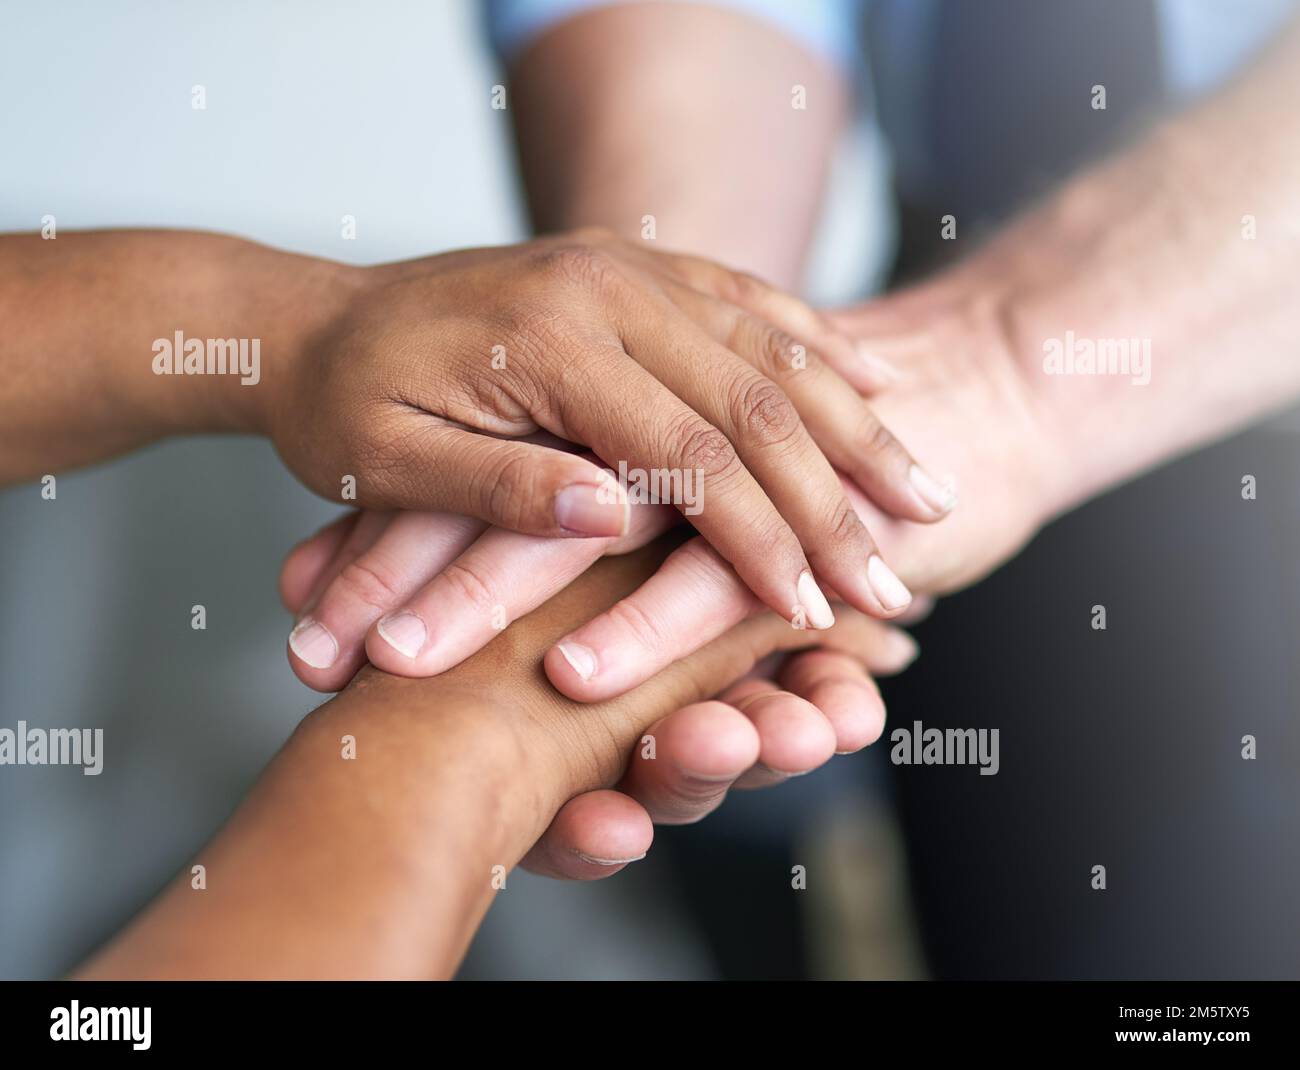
<point x="766" y="414"/>
<point x="365" y="580"/>
<point x="579" y="264"/>
<point x="846" y="526"/>
<point x="632" y="619"/>
<point x="471" y="586"/>
<point x="705" y="448"/>
<point x="776" y="349"/>
<point x="877" y="440"/>
<point x="506" y="491"/>
<point x="742" y="288"/>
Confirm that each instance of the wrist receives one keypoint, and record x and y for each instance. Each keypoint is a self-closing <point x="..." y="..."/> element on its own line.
<point x="292" y="302"/>
<point x="438" y="746"/>
<point x="975" y="329"/>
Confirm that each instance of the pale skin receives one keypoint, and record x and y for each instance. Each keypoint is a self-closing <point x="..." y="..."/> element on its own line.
<point x="1148" y="245"/>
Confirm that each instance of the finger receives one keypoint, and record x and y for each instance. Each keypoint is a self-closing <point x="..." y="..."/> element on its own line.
<point x="370" y="524"/>
<point x="770" y="438"/>
<point x="634" y="422"/>
<point x="594" y="835"/>
<point x="860" y="365"/>
<point x="468" y="601"/>
<point x="328" y="646"/>
<point x="305" y="563"/>
<point x="795" y="738"/>
<point x="434" y="465"/>
<point x="841" y="423"/>
<point x="684" y="763"/>
<point x="694" y="597"/>
<point x="840" y="687"/>
<point x="691" y="679"/>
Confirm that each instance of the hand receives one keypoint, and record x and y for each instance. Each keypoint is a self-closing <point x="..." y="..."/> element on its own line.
<point x="962" y="398"/>
<point x="756" y="733"/>
<point x="380" y="859"/>
<point x="420" y="385"/>
<point x="965" y="402"/>
<point x="763" y="728"/>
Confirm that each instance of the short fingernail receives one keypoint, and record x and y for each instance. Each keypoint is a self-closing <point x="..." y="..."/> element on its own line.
<point x="814" y="603"/>
<point x="888" y="588"/>
<point x="404" y="632"/>
<point x="592" y="509"/>
<point x="581" y="658"/>
<point x="877" y="365"/>
<point x="933" y="494"/>
<point x="608" y="861"/>
<point x="901" y="650"/>
<point x="314" y="643"/>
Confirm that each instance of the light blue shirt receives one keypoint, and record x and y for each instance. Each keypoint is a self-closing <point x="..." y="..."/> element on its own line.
<point x="827" y="27"/>
<point x="1202" y="41"/>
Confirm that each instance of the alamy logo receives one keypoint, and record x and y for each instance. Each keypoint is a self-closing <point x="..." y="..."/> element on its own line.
<point x="668" y="486"/>
<point x="1098" y="356"/>
<point x="53" y="746"/>
<point x="179" y="355"/>
<point x="102" y="1023"/>
<point x="946" y="746"/>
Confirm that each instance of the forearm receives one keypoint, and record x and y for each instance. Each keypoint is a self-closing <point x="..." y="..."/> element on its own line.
<point x="373" y="866"/>
<point x="1151" y="250"/>
<point x="617" y="121"/>
<point x="89" y="316"/>
<point x="383" y="864"/>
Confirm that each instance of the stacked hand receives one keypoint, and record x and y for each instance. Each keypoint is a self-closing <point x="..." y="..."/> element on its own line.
<point x="438" y="375"/>
<point x="959" y="396"/>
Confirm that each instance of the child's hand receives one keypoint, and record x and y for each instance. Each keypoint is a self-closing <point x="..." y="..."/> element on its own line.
<point x="654" y="361"/>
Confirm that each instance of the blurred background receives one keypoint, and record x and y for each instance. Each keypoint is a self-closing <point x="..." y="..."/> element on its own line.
<point x="1120" y="753"/>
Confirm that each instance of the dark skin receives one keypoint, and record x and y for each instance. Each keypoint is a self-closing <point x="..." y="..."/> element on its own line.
<point x="385" y="865"/>
<point x="419" y="380"/>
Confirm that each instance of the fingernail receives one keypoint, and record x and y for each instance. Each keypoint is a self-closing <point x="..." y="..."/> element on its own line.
<point x="592" y="509"/>
<point x="404" y="632"/>
<point x="901" y="650"/>
<point x="608" y="861"/>
<point x="313" y="643"/>
<point x="582" y="658"/>
<point x="891" y="591"/>
<point x="814" y="602"/>
<point x="878" y="366"/>
<point x="933" y="494"/>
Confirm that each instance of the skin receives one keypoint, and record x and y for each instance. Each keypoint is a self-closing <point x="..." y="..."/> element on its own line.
<point x="383" y="866"/>
<point x="1122" y="251"/>
<point x="416" y="612"/>
<point x="341" y="391"/>
<point x="420" y="381"/>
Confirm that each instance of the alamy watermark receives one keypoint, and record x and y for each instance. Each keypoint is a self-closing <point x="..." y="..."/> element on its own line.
<point x="655" y="486"/>
<point x="1073" y="355"/>
<point x="53" y="746"/>
<point x="919" y="745"/>
<point x="75" y="1022"/>
<point x="209" y="356"/>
